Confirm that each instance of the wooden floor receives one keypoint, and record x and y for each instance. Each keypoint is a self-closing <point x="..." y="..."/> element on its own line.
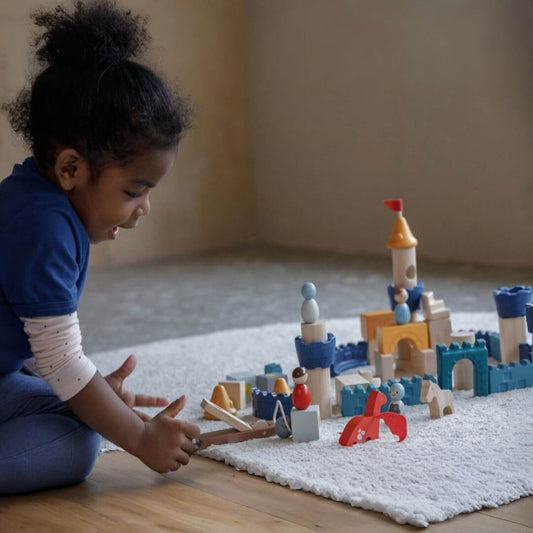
<point x="123" y="495"/>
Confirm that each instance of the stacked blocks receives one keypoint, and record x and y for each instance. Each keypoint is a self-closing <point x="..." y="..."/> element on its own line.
<point x="478" y="354"/>
<point x="265" y="382"/>
<point x="511" y="307"/>
<point x="503" y="378"/>
<point x="348" y="356"/>
<point x="264" y="403"/>
<point x="248" y="378"/>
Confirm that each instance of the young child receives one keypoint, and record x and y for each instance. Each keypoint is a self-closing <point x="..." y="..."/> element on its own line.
<point x="103" y="130"/>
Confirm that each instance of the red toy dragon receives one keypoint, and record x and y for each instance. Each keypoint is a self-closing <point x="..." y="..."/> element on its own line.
<point x="366" y="427"/>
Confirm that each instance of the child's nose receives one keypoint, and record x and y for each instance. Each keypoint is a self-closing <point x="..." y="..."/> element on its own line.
<point x="144" y="208"/>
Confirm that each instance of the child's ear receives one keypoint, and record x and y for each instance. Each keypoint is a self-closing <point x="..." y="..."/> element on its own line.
<point x="70" y="169"/>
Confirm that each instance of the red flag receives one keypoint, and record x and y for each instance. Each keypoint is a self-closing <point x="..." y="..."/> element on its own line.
<point x="395" y="205"/>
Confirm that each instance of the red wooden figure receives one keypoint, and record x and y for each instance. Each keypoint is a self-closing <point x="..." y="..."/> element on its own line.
<point x="366" y="427"/>
<point x="301" y="397"/>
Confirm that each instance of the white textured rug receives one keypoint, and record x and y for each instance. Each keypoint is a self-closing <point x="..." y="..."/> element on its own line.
<point x="479" y="457"/>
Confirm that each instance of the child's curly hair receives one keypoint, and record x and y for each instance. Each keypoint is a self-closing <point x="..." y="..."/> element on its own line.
<point x="90" y="95"/>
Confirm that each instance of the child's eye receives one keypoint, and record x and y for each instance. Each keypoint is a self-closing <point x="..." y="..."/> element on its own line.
<point x="133" y="194"/>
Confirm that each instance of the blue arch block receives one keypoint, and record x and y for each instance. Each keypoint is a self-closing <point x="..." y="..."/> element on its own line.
<point x="315" y="354"/>
<point x="478" y="354"/>
<point x="348" y="356"/>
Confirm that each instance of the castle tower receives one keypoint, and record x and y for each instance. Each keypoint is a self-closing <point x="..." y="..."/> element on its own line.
<point x="403" y="244"/>
<point x="511" y="308"/>
<point x="315" y="348"/>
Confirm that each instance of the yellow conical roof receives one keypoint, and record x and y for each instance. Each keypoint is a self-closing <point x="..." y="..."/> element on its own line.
<point x="401" y="235"/>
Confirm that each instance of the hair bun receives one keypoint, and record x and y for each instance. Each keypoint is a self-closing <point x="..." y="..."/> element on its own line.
<point x="93" y="34"/>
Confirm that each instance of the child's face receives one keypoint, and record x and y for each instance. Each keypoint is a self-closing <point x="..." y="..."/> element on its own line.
<point x="120" y="195"/>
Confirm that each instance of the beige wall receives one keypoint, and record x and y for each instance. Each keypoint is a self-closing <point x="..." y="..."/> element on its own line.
<point x="207" y="202"/>
<point x="355" y="101"/>
<point x="339" y="104"/>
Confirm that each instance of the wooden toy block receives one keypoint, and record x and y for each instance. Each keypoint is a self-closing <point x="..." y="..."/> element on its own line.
<point x="434" y="309"/>
<point x="404" y="272"/>
<point x="512" y="332"/>
<point x="315" y="332"/>
<point x="440" y="401"/>
<point x="402" y="354"/>
<point x="424" y="362"/>
<point x="389" y="336"/>
<point x="221" y="414"/>
<point x="439" y="332"/>
<point x="463" y="371"/>
<point x="305" y="424"/>
<point x="319" y="384"/>
<point x="351" y="380"/>
<point x="225" y="436"/>
<point x="248" y="378"/>
<point x="220" y="398"/>
<point x="370" y="322"/>
<point x="237" y="392"/>
<point x="384" y="365"/>
<point x="371" y="351"/>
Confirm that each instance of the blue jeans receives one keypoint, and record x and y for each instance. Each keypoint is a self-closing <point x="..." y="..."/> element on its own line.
<point x="42" y="442"/>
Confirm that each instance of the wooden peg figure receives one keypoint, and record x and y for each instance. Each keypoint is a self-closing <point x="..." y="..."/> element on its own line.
<point x="301" y="397"/>
<point x="402" y="313"/>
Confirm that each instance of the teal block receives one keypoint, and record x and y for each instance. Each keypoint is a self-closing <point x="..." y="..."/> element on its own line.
<point x="478" y="354"/>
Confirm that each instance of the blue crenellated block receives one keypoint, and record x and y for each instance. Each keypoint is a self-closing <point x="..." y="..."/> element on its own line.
<point x="478" y="354"/>
<point x="414" y="299"/>
<point x="264" y="403"/>
<point x="503" y="378"/>
<point x="412" y="387"/>
<point x="353" y="400"/>
<point x="273" y="368"/>
<point x="524" y="351"/>
<point x="511" y="301"/>
<point x="348" y="356"/>
<point x="315" y="354"/>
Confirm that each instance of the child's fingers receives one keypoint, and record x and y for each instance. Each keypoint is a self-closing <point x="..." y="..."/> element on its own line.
<point x="143" y="400"/>
<point x="175" y="407"/>
<point x="190" y="429"/>
<point x="126" y="368"/>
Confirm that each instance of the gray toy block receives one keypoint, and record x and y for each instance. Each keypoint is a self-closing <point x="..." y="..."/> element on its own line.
<point x="305" y="424"/>
<point x="248" y="378"/>
<point x="266" y="381"/>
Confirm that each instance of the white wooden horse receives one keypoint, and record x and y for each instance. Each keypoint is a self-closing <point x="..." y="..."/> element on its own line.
<point x="440" y="401"/>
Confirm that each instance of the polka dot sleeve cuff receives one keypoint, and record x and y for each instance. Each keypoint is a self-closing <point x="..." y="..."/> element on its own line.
<point x="56" y="344"/>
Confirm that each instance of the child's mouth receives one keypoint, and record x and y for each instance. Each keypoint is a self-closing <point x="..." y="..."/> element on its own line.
<point x="114" y="232"/>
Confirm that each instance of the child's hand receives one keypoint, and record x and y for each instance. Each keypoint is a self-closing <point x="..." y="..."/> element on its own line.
<point x="166" y="443"/>
<point x="116" y="381"/>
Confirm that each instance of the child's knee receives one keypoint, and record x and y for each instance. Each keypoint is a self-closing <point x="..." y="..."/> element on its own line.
<point x="85" y="452"/>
